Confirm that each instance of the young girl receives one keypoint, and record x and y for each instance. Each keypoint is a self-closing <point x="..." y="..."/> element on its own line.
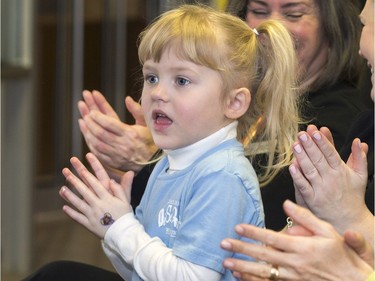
<point x="201" y="70"/>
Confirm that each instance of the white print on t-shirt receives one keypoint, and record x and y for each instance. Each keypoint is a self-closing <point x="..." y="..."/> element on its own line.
<point x="168" y="217"/>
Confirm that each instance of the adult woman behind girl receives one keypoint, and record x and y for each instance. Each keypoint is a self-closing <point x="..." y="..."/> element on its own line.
<point x="326" y="34"/>
<point x="323" y="254"/>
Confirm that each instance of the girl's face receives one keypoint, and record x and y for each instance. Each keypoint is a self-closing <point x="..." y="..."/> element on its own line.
<point x="366" y="45"/>
<point x="302" y="19"/>
<point x="181" y="101"/>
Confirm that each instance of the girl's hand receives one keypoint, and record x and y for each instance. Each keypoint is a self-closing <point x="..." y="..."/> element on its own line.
<point x="101" y="201"/>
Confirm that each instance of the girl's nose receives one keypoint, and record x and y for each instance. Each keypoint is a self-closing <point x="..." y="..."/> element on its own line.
<point x="159" y="93"/>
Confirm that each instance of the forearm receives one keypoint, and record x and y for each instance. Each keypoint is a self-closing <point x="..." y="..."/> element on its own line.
<point x="151" y="259"/>
<point x="122" y="268"/>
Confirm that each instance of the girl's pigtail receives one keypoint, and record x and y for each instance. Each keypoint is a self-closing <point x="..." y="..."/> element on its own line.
<point x="276" y="99"/>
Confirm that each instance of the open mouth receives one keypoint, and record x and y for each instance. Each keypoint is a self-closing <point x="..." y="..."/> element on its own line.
<point x="161" y="119"/>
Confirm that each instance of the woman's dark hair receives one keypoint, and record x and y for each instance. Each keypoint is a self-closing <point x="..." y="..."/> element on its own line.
<point x="342" y="29"/>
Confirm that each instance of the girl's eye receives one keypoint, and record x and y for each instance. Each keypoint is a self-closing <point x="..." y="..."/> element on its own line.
<point x="182" y="81"/>
<point x="151" y="78"/>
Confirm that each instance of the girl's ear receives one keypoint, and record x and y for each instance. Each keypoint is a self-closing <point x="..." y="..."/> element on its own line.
<point x="238" y="103"/>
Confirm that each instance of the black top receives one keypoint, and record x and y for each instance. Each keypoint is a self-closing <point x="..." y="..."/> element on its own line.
<point x="335" y="108"/>
<point x="363" y="128"/>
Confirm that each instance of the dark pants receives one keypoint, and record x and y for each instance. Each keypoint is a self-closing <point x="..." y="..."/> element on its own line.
<point x="72" y="271"/>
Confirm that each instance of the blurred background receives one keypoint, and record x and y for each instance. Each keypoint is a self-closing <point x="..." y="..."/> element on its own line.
<point x="51" y="50"/>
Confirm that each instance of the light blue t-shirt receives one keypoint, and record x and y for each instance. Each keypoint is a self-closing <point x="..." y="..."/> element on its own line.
<point x="194" y="209"/>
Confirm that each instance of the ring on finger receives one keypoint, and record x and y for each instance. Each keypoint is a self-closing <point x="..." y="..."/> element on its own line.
<point x="274" y="274"/>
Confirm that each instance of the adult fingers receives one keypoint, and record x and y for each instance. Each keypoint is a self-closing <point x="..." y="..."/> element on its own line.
<point x="83" y="108"/>
<point x="102" y="149"/>
<point x="274" y="240"/>
<point x="298" y="230"/>
<point x="136" y="111"/>
<point x="307" y="164"/>
<point x="358" y="159"/>
<point x="248" y="277"/>
<point x="88" y="99"/>
<point x="307" y="219"/>
<point x="303" y="189"/>
<point x="106" y="124"/>
<point x="247" y="270"/>
<point x="327" y="133"/>
<point x="310" y="158"/>
<point x="103" y="105"/>
<point x="327" y="149"/>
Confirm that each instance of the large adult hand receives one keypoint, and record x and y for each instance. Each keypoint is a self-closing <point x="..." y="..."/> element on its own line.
<point x="101" y="201"/>
<point x="117" y="145"/>
<point x="322" y="256"/>
<point x="332" y="189"/>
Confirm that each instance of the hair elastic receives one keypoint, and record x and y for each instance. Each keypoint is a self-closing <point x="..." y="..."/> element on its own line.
<point x="255" y="31"/>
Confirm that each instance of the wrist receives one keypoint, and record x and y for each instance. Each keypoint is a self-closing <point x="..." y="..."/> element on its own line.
<point x="362" y="221"/>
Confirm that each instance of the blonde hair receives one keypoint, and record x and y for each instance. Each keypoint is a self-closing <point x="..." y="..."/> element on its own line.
<point x="265" y="64"/>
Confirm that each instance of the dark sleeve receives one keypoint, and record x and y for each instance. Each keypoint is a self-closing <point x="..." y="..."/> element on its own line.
<point x="139" y="184"/>
<point x="335" y="108"/>
<point x="369" y="196"/>
<point x="274" y="194"/>
<point x="141" y="179"/>
<point x="363" y="128"/>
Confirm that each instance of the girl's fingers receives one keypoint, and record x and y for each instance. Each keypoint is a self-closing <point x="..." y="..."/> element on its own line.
<point x="98" y="169"/>
<point x="73" y="199"/>
<point x="77" y="216"/>
<point x="118" y="191"/>
<point x="90" y="196"/>
<point x="95" y="164"/>
<point x="79" y="167"/>
<point x="87" y="180"/>
<point x="126" y="183"/>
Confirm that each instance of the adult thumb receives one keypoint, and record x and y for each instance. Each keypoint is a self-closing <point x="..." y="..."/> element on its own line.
<point x="136" y="110"/>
